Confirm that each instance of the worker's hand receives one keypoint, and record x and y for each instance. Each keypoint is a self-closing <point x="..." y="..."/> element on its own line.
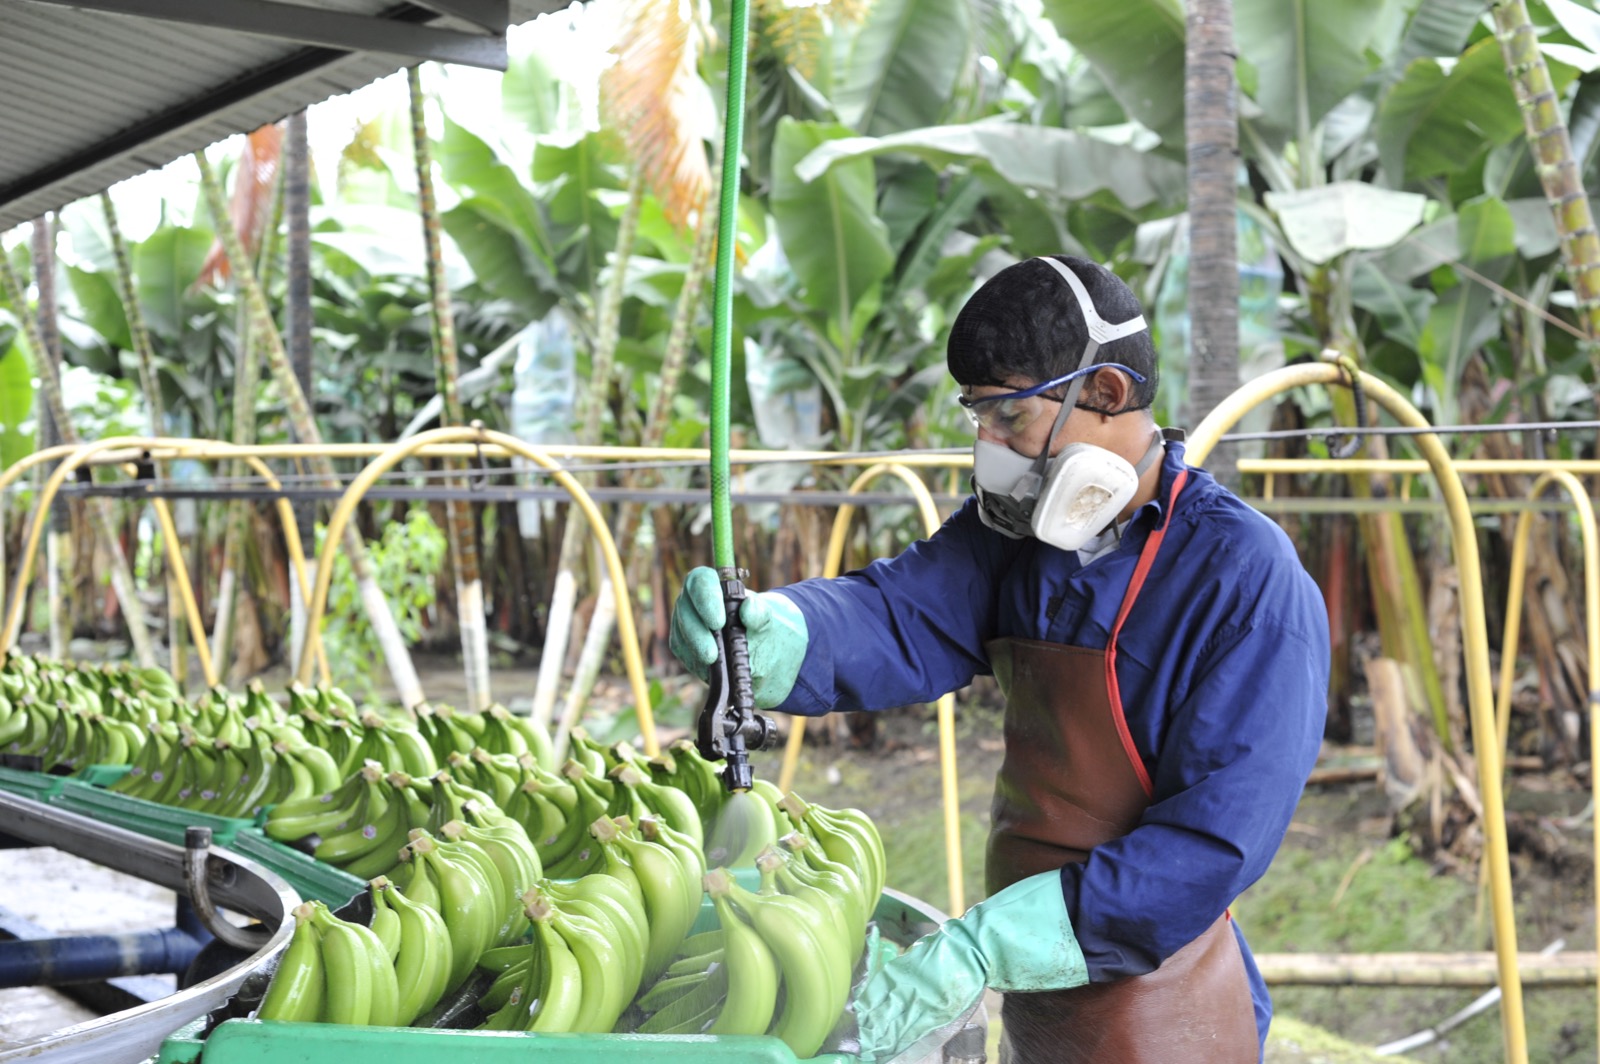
<point x="775" y="631"/>
<point x="1020" y="939"/>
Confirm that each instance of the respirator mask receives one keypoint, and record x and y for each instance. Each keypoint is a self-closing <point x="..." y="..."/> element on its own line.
<point x="1065" y="500"/>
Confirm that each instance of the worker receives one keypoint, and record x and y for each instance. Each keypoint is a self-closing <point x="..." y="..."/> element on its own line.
<point x="1164" y="661"/>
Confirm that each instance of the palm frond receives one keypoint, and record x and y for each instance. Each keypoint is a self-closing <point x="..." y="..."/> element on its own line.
<point x="255" y="181"/>
<point x="650" y="95"/>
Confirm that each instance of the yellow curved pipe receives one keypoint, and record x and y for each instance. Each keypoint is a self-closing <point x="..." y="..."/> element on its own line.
<point x="1591" y="610"/>
<point x="1480" y="688"/>
<point x="945" y="706"/>
<point x="297" y="556"/>
<point x="217" y="451"/>
<point x="75" y="457"/>
<point x="627" y="635"/>
<point x="180" y="574"/>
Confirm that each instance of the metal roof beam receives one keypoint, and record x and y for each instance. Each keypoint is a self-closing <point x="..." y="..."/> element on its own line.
<point x="334" y="29"/>
<point x="492" y="15"/>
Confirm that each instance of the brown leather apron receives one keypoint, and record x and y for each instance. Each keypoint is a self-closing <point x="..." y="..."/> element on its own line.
<point x="1073" y="779"/>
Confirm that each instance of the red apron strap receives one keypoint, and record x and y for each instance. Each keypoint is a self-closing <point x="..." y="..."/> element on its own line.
<point x="1147" y="558"/>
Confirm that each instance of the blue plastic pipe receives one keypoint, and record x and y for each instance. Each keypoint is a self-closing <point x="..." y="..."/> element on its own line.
<point x="95" y="958"/>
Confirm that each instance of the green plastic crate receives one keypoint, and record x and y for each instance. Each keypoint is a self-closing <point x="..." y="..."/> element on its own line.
<point x="39" y="786"/>
<point x="103" y="775"/>
<point x="165" y="822"/>
<point x="307" y="875"/>
<point x="255" y="1042"/>
<point x="182" y="1046"/>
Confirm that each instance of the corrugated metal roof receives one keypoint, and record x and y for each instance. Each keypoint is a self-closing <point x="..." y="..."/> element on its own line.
<point x="89" y="98"/>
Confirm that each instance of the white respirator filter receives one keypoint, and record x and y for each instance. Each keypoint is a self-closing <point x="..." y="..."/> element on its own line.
<point x="1086" y="489"/>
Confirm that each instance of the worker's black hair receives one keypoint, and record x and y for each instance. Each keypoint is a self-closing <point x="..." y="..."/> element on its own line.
<point x="1024" y="322"/>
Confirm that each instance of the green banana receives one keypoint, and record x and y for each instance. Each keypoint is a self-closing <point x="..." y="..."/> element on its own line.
<point x="815" y="968"/>
<point x="815" y="869"/>
<point x="752" y="970"/>
<point x="560" y="979"/>
<point x="470" y="909"/>
<point x="385" y="921"/>
<point x="348" y="966"/>
<point x="422" y="967"/>
<point x="606" y="990"/>
<point x="671" y="900"/>
<point x="297" y="987"/>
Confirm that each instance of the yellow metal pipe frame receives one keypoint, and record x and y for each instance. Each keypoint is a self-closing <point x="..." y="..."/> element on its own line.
<point x="388" y="458"/>
<point x="75" y="457"/>
<point x="216" y="452"/>
<point x="945" y="707"/>
<point x="195" y="448"/>
<point x="1591" y="603"/>
<point x="1504" y="466"/>
<point x="1480" y="688"/>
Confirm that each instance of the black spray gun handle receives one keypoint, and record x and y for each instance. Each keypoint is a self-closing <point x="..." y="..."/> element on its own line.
<point x="729" y="726"/>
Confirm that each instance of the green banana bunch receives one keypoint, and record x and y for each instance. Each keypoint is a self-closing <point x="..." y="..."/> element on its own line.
<point x="149" y="769"/>
<point x="813" y="868"/>
<point x="370" y="842"/>
<point x="320" y="814"/>
<point x="684" y="767"/>
<point x="506" y="733"/>
<point x="516" y="865"/>
<point x="607" y="900"/>
<point x="551" y="995"/>
<point x="334" y="971"/>
<point x="813" y="961"/>
<point x="847" y="836"/>
<point x="453" y="800"/>
<point x="541" y="802"/>
<point x="671" y="889"/>
<point x="445" y="730"/>
<point x="361" y="987"/>
<point x="455" y="886"/>
<point x="421" y="952"/>
<point x="395" y="745"/>
<point x="572" y="854"/>
<point x="591" y="755"/>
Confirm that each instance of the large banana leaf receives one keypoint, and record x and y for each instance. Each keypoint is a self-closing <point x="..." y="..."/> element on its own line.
<point x="1438" y="29"/>
<point x="100" y="306"/>
<point x="1401" y="309"/>
<point x="1137" y="48"/>
<point x="1435" y="122"/>
<point x="829" y="226"/>
<point x="1061" y="162"/>
<point x="903" y="65"/>
<point x="570" y="177"/>
<point x="1308" y="55"/>
<point x="1466" y="317"/>
<point x="165" y="267"/>
<point x="16" y="405"/>
<point x="1324" y="222"/>
<point x="500" y="258"/>
<point x="474" y="170"/>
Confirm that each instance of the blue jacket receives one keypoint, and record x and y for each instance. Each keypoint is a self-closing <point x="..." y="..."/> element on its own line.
<point x="1223" y="668"/>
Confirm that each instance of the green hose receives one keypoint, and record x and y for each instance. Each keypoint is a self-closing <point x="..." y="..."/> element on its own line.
<point x="722" y="297"/>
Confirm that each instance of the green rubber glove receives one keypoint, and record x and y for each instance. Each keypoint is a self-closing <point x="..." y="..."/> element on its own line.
<point x="1020" y="939"/>
<point x="775" y="630"/>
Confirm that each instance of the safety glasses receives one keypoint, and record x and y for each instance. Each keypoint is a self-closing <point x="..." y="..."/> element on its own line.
<point x="1009" y="414"/>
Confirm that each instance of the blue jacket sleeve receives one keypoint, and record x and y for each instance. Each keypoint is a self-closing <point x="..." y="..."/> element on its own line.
<point x="904" y="629"/>
<point x="1238" y="749"/>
